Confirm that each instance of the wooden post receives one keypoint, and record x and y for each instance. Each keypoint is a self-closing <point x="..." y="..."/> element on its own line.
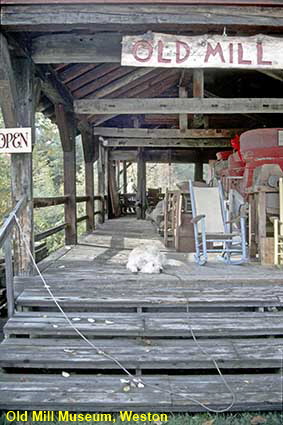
<point x="183" y="118"/>
<point x="89" y="156"/>
<point x="252" y="226"/>
<point x="198" y="171"/>
<point x="9" y="277"/>
<point x="166" y="202"/>
<point x="118" y="174"/>
<point x="66" y="124"/>
<point x="101" y="182"/>
<point x="141" y="185"/>
<point x="198" y="91"/>
<point x="17" y="104"/>
<point x="261" y="217"/>
<point x="125" y="177"/>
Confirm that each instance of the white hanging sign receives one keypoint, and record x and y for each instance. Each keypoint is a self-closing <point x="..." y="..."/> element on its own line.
<point x="15" y="140"/>
<point x="204" y="51"/>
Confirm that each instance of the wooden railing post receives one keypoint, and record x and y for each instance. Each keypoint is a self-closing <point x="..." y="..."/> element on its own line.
<point x="89" y="149"/>
<point x="9" y="276"/>
<point x="66" y="124"/>
<point x="101" y="182"/>
<point x="89" y="191"/>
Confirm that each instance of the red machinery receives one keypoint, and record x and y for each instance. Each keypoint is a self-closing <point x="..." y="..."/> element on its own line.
<point x="254" y="148"/>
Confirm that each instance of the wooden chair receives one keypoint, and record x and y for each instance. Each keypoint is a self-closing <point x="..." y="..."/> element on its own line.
<point x="171" y="201"/>
<point x="212" y="230"/>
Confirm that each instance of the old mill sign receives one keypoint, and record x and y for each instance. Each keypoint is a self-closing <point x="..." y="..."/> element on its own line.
<point x="15" y="140"/>
<point x="205" y="51"/>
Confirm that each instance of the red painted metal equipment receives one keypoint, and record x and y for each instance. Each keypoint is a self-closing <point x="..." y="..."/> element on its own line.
<point x="256" y="148"/>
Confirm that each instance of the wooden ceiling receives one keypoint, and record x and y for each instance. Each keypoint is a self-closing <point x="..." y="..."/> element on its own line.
<point x="86" y="37"/>
<point x="89" y="81"/>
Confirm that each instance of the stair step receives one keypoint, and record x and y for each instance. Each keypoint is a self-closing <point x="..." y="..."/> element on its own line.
<point x="144" y="354"/>
<point x="154" y="297"/>
<point x="147" y="324"/>
<point x="104" y="279"/>
<point x="88" y="393"/>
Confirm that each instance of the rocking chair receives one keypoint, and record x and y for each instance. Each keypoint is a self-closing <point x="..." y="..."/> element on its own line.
<point x="213" y="231"/>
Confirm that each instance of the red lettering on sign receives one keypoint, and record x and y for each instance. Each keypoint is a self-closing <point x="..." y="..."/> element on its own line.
<point x="241" y="60"/>
<point x="210" y="51"/>
<point x="185" y="47"/>
<point x="160" y="50"/>
<point x="259" y="50"/>
<point x="142" y="45"/>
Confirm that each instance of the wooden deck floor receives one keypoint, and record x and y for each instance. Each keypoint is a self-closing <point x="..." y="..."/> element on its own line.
<point x="145" y="322"/>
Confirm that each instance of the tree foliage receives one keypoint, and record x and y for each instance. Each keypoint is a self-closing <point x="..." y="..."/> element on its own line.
<point x="48" y="178"/>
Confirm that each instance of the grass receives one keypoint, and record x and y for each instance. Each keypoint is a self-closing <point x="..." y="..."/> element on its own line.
<point x="274" y="418"/>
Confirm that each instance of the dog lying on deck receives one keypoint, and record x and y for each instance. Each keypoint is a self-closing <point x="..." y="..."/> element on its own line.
<point x="148" y="259"/>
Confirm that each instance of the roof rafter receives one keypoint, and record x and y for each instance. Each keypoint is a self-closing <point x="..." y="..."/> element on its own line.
<point x="153" y="87"/>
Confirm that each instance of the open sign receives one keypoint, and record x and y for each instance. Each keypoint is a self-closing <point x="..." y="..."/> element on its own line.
<point x="15" y="140"/>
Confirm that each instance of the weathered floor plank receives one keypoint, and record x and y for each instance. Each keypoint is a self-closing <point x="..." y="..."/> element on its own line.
<point x="93" y="393"/>
<point x="148" y="324"/>
<point x="143" y="354"/>
<point x="137" y="295"/>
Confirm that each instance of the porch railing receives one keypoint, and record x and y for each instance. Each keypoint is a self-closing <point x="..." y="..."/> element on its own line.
<point x="6" y="232"/>
<point x="6" y="242"/>
<point x="59" y="200"/>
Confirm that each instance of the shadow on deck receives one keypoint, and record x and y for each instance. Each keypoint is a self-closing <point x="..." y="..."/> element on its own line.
<point x="145" y="322"/>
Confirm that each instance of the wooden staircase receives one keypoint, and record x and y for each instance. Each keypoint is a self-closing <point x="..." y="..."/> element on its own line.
<point x="147" y="326"/>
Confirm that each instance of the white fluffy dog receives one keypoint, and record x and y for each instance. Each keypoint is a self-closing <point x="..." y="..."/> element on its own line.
<point x="148" y="259"/>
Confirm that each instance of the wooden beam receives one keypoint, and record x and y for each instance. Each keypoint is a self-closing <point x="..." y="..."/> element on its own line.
<point x="165" y="143"/>
<point x="8" y="89"/>
<point x="141" y="185"/>
<point x="67" y="129"/>
<point x="65" y="120"/>
<point x="177" y="106"/>
<point x="37" y="17"/>
<point x="74" y="48"/>
<point x="123" y="155"/>
<point x="276" y="74"/>
<point x="53" y="88"/>
<point x="164" y="156"/>
<point x="90" y="145"/>
<point x="183" y="118"/>
<point x="164" y="133"/>
<point x="49" y="201"/>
